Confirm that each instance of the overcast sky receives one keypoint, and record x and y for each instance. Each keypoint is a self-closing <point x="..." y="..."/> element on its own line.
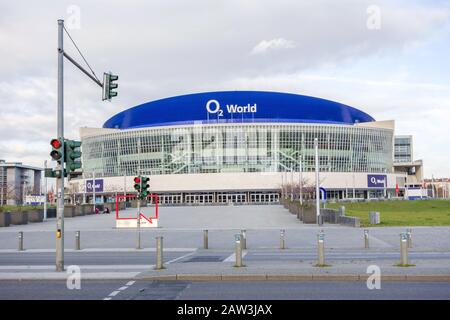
<point x="390" y="59"/>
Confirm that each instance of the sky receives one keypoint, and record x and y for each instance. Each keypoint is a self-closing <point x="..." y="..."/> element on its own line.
<point x="387" y="58"/>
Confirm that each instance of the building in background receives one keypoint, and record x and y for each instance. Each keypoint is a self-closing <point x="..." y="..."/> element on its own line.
<point x="241" y="147"/>
<point x="437" y="187"/>
<point x="17" y="181"/>
<point x="404" y="163"/>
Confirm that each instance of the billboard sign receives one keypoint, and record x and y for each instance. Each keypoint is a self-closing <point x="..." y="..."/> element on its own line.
<point x="98" y="185"/>
<point x="376" y="181"/>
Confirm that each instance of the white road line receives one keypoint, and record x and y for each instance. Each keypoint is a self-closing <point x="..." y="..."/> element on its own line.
<point x="114" y="293"/>
<point x="179" y="258"/>
<point x="232" y="258"/>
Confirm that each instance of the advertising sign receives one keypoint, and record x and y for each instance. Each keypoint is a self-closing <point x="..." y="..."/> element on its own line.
<point x="98" y="185"/>
<point x="376" y="181"/>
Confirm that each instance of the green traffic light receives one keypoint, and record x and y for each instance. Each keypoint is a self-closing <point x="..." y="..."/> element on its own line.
<point x="72" y="154"/>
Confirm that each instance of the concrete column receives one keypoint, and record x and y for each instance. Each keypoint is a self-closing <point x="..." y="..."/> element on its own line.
<point x="282" y="239"/>
<point x="238" y="251"/>
<point x="77" y="240"/>
<point x="366" y="239"/>
<point x="20" y="238"/>
<point x="205" y="239"/>
<point x="159" y="253"/>
<point x="320" y="249"/>
<point x="403" y="250"/>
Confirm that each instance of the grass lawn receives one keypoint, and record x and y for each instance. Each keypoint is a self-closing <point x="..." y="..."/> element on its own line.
<point x="400" y="213"/>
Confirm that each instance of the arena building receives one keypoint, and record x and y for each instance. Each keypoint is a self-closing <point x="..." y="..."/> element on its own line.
<point x="240" y="147"/>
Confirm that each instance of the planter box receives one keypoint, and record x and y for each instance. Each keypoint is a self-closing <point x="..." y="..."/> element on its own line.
<point x="51" y="212"/>
<point x="5" y="219"/>
<point x="69" y="211"/>
<point x="309" y="214"/>
<point x="36" y="215"/>
<point x="19" y="217"/>
<point x="87" y="208"/>
<point x="374" y="217"/>
<point x="79" y="211"/>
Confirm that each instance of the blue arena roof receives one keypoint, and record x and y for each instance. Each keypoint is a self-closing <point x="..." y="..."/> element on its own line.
<point x="236" y="107"/>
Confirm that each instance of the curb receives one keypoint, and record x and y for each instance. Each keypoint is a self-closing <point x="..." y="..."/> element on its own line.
<point x="225" y="277"/>
<point x="292" y="277"/>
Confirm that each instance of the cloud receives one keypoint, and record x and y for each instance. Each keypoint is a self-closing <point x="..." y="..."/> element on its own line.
<point x="274" y="44"/>
<point x="159" y="51"/>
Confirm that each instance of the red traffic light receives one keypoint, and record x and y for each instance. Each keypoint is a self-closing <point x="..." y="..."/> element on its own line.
<point x="137" y="180"/>
<point x="55" y="143"/>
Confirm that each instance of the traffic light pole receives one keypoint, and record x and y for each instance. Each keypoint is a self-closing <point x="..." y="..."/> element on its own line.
<point x="60" y="167"/>
<point x="138" y="221"/>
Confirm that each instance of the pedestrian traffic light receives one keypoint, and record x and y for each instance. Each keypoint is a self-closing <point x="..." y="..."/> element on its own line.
<point x="144" y="187"/>
<point x="137" y="184"/>
<point x="57" y="151"/>
<point x="109" y="86"/>
<point x="72" y="155"/>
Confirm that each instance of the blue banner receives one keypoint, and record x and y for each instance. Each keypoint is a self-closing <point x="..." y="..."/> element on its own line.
<point x="376" y="180"/>
<point x="98" y="185"/>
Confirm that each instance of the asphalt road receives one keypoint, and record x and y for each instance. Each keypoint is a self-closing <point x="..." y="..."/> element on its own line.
<point x="186" y="290"/>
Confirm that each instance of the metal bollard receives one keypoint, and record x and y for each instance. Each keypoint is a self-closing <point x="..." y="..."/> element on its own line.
<point x="366" y="239"/>
<point x="238" y="253"/>
<point x="403" y="249"/>
<point x="409" y="237"/>
<point x="159" y="253"/>
<point x="77" y="240"/>
<point x="282" y="239"/>
<point x="205" y="239"/>
<point x="20" y="241"/>
<point x="244" y="239"/>
<point x="320" y="249"/>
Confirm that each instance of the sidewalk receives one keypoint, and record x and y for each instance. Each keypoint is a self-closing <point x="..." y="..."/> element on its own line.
<point x="424" y="270"/>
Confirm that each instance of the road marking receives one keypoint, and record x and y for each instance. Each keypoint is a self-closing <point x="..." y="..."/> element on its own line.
<point x="182" y="257"/>
<point x="121" y="289"/>
<point x="232" y="258"/>
<point x="114" y="293"/>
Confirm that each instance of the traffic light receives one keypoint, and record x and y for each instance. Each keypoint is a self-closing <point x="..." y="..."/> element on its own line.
<point x="109" y="86"/>
<point x="144" y="187"/>
<point x="137" y="184"/>
<point x="57" y="149"/>
<point x="72" y="155"/>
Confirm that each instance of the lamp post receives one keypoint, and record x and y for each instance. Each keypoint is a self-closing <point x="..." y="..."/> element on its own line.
<point x="316" y="147"/>
<point x="301" y="179"/>
<point x="45" y="193"/>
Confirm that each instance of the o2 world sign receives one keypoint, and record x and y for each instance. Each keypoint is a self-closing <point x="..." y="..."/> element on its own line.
<point x="213" y="107"/>
<point x="98" y="185"/>
<point x="376" y="181"/>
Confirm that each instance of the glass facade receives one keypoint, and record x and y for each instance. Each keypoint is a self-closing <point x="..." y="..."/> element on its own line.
<point x="402" y="149"/>
<point x="245" y="147"/>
